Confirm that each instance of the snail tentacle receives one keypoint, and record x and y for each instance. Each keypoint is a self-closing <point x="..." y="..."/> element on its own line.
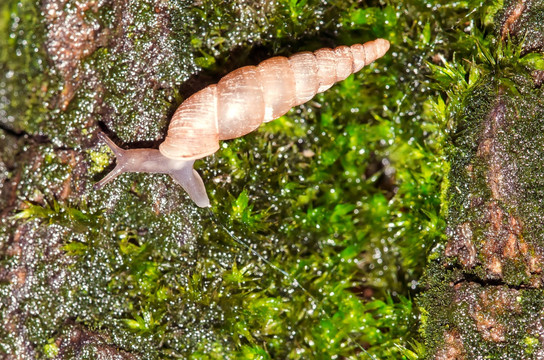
<point x="152" y="161"/>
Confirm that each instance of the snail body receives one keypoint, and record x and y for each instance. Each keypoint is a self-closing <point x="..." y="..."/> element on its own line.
<point x="237" y="105"/>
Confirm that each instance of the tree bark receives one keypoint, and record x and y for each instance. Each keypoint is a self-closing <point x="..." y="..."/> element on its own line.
<point x="484" y="295"/>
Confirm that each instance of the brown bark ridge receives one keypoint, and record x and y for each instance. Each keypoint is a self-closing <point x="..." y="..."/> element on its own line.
<point x="484" y="295"/>
<point x="523" y="22"/>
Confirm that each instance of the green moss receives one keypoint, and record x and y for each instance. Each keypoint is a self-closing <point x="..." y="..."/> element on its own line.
<point x="531" y="344"/>
<point x="99" y="161"/>
<point x="437" y="297"/>
<point x="51" y="350"/>
<point x="27" y="81"/>
<point x="514" y="273"/>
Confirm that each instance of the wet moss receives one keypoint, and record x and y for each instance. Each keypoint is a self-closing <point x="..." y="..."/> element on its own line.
<point x="27" y="82"/>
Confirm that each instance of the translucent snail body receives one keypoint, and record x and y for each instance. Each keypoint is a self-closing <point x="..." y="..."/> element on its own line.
<point x="237" y="105"/>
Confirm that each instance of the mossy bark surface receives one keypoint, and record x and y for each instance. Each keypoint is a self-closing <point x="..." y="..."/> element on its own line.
<point x="485" y="297"/>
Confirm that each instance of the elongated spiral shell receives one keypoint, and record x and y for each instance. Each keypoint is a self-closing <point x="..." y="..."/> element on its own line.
<point x="250" y="95"/>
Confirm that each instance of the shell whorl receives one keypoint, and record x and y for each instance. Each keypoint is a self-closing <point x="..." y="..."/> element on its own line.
<point x="246" y="97"/>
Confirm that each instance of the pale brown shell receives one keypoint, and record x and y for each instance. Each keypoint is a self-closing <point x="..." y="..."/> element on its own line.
<point x="248" y="96"/>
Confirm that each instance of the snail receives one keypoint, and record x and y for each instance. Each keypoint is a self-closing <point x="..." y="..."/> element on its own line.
<point x="237" y="105"/>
